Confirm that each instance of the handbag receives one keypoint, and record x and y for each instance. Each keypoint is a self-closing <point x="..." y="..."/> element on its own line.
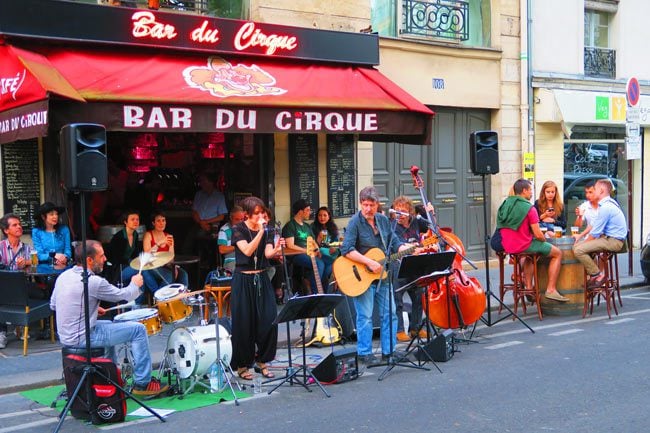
<point x="495" y="241"/>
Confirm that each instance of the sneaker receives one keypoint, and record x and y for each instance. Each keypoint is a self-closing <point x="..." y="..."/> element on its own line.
<point x="596" y="281"/>
<point x="556" y="296"/>
<point x="397" y="355"/>
<point x="369" y="360"/>
<point x="402" y="336"/>
<point x="3" y="340"/>
<point x="152" y="389"/>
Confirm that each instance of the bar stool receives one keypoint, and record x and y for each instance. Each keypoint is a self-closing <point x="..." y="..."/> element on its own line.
<point x="503" y="286"/>
<point x="520" y="291"/>
<point x="608" y="262"/>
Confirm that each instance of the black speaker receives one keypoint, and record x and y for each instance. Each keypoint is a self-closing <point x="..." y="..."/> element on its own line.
<point x="484" y="152"/>
<point x="440" y="349"/>
<point x="339" y="366"/>
<point x="84" y="166"/>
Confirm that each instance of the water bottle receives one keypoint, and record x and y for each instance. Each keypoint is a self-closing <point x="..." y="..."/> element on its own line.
<point x="215" y="378"/>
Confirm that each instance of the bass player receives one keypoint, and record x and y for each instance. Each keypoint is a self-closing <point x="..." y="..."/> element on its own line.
<point x="366" y="230"/>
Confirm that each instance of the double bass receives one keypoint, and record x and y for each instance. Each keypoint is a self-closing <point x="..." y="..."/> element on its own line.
<point x="459" y="300"/>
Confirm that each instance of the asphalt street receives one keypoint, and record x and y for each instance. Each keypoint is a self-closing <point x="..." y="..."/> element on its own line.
<point x="571" y="375"/>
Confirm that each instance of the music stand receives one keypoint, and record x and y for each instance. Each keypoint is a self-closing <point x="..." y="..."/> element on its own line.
<point x="301" y="308"/>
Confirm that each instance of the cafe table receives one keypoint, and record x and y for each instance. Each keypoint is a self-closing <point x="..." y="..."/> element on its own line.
<point x="570" y="282"/>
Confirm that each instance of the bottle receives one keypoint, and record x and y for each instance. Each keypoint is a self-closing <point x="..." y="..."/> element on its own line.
<point x="216" y="380"/>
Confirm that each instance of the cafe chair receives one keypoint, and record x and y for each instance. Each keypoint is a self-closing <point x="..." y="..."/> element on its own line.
<point x="608" y="262"/>
<point x="503" y="286"/>
<point x="16" y="308"/>
<point x="521" y="293"/>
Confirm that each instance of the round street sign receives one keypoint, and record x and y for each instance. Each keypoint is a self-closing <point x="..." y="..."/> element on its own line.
<point x="632" y="92"/>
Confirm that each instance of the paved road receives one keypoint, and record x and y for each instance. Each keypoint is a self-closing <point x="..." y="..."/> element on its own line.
<point x="571" y="375"/>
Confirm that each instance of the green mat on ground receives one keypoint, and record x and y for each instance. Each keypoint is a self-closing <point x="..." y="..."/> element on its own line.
<point x="46" y="396"/>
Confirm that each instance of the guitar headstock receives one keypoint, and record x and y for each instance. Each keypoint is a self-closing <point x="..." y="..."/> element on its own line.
<point x="429" y="240"/>
<point x="312" y="247"/>
<point x="418" y="183"/>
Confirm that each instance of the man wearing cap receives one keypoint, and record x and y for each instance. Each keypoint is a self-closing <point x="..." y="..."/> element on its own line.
<point x="296" y="232"/>
<point x="50" y="236"/>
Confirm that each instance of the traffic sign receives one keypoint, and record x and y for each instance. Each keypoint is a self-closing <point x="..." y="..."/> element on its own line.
<point x="632" y="92"/>
<point x="633" y="114"/>
<point x="632" y="129"/>
<point x="633" y="147"/>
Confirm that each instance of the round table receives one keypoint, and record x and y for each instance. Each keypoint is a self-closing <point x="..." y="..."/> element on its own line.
<point x="183" y="260"/>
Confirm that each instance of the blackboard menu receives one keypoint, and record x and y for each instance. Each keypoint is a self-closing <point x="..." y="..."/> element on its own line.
<point x="341" y="175"/>
<point x="21" y="188"/>
<point x="303" y="168"/>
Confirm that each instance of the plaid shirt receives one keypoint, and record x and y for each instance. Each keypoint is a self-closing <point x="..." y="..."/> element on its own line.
<point x="8" y="257"/>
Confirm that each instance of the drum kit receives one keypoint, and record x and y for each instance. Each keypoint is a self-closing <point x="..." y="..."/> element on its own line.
<point x="193" y="353"/>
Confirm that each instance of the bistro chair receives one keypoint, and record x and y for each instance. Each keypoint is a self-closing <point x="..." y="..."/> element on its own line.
<point x="503" y="286"/>
<point x="608" y="262"/>
<point x="16" y="308"/>
<point x="521" y="293"/>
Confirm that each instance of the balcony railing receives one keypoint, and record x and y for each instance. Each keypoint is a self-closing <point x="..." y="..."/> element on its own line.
<point x="600" y="62"/>
<point x="436" y="18"/>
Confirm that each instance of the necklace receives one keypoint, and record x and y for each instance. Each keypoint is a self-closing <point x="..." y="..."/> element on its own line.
<point x="256" y="249"/>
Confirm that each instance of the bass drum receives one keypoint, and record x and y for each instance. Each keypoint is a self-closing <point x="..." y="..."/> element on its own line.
<point x="192" y="350"/>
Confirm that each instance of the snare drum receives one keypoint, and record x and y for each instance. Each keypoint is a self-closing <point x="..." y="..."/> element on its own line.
<point x="147" y="316"/>
<point x="172" y="310"/>
<point x="193" y="350"/>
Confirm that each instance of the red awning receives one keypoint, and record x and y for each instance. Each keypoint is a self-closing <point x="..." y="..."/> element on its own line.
<point x="26" y="81"/>
<point x="199" y="93"/>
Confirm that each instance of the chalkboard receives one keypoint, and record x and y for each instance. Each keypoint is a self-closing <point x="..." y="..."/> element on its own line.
<point x="303" y="168"/>
<point x="341" y="175"/>
<point x="21" y="188"/>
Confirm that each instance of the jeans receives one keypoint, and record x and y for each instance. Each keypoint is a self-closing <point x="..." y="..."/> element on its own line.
<point x="364" y="304"/>
<point x="324" y="270"/>
<point x="109" y="334"/>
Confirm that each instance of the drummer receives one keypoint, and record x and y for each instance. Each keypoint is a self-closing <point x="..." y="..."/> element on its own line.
<point x="67" y="301"/>
<point x="158" y="240"/>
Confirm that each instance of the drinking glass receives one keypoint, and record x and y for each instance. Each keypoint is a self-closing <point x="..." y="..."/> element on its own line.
<point x="52" y="254"/>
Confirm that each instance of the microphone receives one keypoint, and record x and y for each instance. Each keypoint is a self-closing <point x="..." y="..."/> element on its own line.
<point x="396" y="212"/>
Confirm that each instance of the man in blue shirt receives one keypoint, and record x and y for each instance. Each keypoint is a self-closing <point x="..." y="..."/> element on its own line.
<point x="608" y="233"/>
<point x="366" y="230"/>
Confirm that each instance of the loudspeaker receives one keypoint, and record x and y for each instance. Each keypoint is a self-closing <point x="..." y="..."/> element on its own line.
<point x="339" y="366"/>
<point x="84" y="166"/>
<point x="440" y="349"/>
<point x="484" y="152"/>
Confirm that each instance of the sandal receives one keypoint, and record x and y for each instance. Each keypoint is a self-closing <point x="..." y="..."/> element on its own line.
<point x="244" y="373"/>
<point x="264" y="371"/>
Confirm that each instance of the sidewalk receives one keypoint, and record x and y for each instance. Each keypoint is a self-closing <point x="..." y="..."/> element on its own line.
<point x="42" y="366"/>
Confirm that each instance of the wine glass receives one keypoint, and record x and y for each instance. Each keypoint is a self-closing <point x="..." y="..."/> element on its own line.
<point x="52" y="254"/>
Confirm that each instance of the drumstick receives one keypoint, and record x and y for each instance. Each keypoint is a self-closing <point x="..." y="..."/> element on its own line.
<point x="129" y="304"/>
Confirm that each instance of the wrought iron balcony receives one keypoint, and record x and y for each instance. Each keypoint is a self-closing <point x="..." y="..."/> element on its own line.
<point x="600" y="62"/>
<point x="436" y="18"/>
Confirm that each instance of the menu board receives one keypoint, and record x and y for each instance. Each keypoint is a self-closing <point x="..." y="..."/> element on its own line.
<point x="303" y="168"/>
<point x="21" y="186"/>
<point x="341" y="175"/>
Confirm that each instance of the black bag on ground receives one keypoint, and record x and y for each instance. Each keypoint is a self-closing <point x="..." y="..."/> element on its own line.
<point x="108" y="403"/>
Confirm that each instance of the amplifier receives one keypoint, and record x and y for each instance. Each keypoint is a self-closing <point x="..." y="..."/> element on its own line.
<point x="440" y="349"/>
<point x="339" y="366"/>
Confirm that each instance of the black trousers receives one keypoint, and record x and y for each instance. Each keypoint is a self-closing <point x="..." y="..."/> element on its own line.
<point x="253" y="309"/>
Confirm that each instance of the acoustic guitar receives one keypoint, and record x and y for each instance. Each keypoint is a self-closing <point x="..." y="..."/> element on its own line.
<point x="354" y="278"/>
<point x="325" y="331"/>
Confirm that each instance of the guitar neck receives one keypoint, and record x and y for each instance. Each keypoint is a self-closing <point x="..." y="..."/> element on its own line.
<point x="398" y="255"/>
<point x="319" y="284"/>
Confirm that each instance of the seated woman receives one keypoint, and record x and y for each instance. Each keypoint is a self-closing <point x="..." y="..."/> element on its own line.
<point x="123" y="248"/>
<point x="158" y="240"/>
<point x="51" y="239"/>
<point x="549" y="207"/>
<point x="326" y="232"/>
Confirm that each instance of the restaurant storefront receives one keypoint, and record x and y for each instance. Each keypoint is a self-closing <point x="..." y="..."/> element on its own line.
<point x="272" y="111"/>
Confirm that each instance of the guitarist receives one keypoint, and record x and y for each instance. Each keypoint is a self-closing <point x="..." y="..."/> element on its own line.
<point x="366" y="230"/>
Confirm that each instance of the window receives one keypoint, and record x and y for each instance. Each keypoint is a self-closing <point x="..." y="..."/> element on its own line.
<point x="596" y="29"/>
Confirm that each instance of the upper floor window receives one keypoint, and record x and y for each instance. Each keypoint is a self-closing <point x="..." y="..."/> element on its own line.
<point x="596" y="29"/>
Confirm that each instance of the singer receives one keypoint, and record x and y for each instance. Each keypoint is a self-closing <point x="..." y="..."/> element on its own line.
<point x="254" y="336"/>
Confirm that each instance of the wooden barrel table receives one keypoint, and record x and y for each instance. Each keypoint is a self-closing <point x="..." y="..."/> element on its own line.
<point x="570" y="282"/>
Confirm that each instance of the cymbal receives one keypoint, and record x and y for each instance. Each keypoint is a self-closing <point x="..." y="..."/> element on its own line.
<point x="157" y="260"/>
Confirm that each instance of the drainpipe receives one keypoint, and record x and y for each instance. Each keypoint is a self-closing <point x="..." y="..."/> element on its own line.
<point x="526" y="89"/>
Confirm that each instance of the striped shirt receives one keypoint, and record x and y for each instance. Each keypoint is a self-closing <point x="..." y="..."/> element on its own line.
<point x="8" y="257"/>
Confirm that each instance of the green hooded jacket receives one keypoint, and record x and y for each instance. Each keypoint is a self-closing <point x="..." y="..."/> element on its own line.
<point x="512" y="212"/>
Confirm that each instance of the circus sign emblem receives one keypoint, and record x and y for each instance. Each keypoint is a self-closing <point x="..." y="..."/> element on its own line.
<point x="223" y="79"/>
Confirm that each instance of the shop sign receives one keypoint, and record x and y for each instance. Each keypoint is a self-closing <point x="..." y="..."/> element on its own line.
<point x="27" y="121"/>
<point x="167" y="30"/>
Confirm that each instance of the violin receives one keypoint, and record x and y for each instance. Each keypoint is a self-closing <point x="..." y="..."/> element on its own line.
<point x="456" y="301"/>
